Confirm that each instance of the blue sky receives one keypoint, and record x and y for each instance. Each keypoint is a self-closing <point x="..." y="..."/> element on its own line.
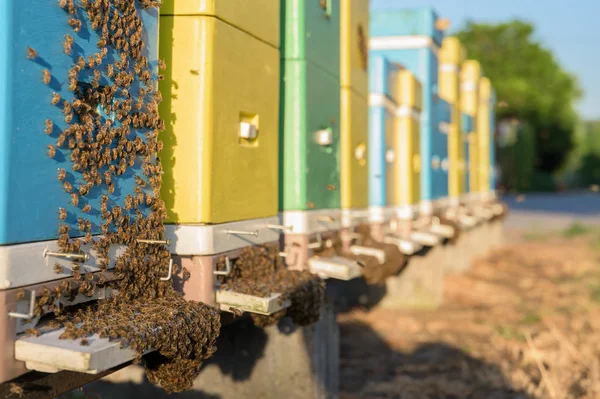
<point x="570" y="28"/>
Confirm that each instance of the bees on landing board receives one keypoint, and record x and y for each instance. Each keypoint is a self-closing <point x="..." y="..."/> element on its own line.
<point x="62" y="214"/>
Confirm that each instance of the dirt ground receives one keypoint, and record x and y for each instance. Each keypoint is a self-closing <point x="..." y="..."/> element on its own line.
<point x="523" y="322"/>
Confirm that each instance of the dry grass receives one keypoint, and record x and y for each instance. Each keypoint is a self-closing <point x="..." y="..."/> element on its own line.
<point x="523" y="323"/>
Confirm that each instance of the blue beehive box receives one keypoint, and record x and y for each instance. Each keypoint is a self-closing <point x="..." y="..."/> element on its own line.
<point x="466" y="124"/>
<point x="493" y="141"/>
<point x="440" y="165"/>
<point x="30" y="193"/>
<point x="410" y="38"/>
<point x="382" y="104"/>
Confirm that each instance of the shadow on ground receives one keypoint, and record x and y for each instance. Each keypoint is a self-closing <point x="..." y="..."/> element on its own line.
<point x="370" y="368"/>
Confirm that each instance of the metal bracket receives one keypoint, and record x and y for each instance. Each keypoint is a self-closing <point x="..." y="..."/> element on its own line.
<point x="318" y="244"/>
<point x="242" y="232"/>
<point x="170" y="271"/>
<point x="83" y="256"/>
<point x="286" y="229"/>
<point x="227" y="270"/>
<point x="158" y="242"/>
<point x="28" y="316"/>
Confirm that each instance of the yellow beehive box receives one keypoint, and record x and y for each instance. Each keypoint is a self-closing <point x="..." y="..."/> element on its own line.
<point x="220" y="107"/>
<point x="354" y="138"/>
<point x="409" y="90"/>
<point x="406" y="142"/>
<point x="469" y="100"/>
<point x="452" y="55"/>
<point x="483" y="134"/>
<point x="354" y="45"/>
<point x="260" y="18"/>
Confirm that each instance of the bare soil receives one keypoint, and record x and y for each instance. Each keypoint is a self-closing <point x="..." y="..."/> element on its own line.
<point x="523" y="322"/>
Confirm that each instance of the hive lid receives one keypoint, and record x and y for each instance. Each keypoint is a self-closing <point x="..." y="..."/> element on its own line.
<point x="407" y="23"/>
<point x="260" y="18"/>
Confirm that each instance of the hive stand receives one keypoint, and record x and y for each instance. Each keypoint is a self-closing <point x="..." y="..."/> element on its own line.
<point x="281" y="361"/>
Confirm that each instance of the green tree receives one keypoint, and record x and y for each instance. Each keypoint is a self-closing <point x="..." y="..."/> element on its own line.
<point x="517" y="155"/>
<point x="531" y="85"/>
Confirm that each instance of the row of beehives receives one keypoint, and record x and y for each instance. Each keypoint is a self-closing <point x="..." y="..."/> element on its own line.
<point x="305" y="120"/>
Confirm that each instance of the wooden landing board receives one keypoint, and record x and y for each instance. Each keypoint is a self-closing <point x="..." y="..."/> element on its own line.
<point x="335" y="267"/>
<point x="47" y="353"/>
<point x="425" y="238"/>
<point x="443" y="230"/>
<point x="407" y="247"/>
<point x="251" y="303"/>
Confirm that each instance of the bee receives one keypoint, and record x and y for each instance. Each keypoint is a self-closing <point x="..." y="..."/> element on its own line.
<point x="88" y="238"/>
<point x="31" y="53"/>
<point x="310" y="205"/>
<point x="161" y="64"/>
<point x="331" y="187"/>
<point x="32" y="331"/>
<point x="62" y="213"/>
<point x="67" y="187"/>
<point x="84" y="342"/>
<point x="72" y="84"/>
<point x="63" y="229"/>
<point x="55" y="98"/>
<point x="87" y="208"/>
<point x="62" y="174"/>
<point x="21" y="294"/>
<point x="51" y="151"/>
<point x="75" y="24"/>
<point x="16" y="389"/>
<point x="68" y="118"/>
<point x="47" y="77"/>
<point x="74" y="199"/>
<point x="236" y="312"/>
<point x="49" y="127"/>
<point x="68" y="42"/>
<point x="84" y="190"/>
<point x="102" y="42"/>
<point x="57" y="268"/>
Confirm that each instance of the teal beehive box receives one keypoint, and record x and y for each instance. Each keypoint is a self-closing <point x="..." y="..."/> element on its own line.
<point x="310" y="105"/>
<point x="412" y="38"/>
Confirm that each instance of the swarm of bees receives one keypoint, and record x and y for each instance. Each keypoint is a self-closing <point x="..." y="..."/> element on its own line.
<point x="112" y="126"/>
<point x="373" y="271"/>
<point x="260" y="271"/>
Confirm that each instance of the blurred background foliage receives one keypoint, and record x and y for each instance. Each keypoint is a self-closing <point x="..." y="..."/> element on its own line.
<point x="542" y="145"/>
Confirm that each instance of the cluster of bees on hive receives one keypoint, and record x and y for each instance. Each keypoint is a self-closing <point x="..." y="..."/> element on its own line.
<point x="112" y="119"/>
<point x="260" y="271"/>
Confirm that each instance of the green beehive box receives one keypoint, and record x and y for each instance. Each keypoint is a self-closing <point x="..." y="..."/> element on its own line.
<point x="310" y="105"/>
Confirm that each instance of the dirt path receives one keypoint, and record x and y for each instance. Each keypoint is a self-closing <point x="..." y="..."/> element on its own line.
<point x="523" y="323"/>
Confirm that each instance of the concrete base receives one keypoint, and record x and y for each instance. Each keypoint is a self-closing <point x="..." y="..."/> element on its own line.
<point x="421" y="284"/>
<point x="282" y="361"/>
